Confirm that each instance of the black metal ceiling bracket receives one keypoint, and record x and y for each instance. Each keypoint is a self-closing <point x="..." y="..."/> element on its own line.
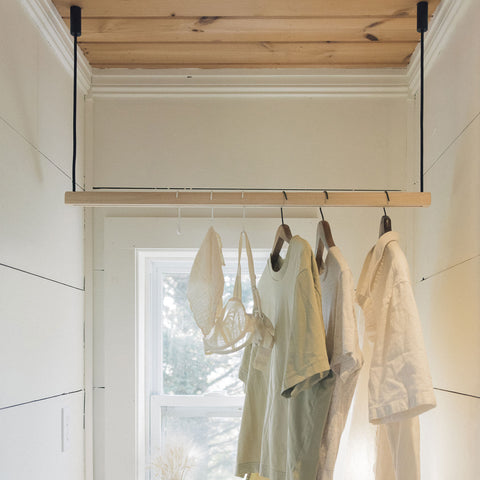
<point x="75" y="31"/>
<point x="422" y="27"/>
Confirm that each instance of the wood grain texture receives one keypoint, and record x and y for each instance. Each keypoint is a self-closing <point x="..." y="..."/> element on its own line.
<point x="256" y="54"/>
<point x="196" y="29"/>
<point x="269" y="34"/>
<point x="247" y="8"/>
<point x="305" y="199"/>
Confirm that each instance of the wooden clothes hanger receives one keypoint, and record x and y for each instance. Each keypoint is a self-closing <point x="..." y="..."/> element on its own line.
<point x="324" y="237"/>
<point x="385" y="222"/>
<point x="283" y="234"/>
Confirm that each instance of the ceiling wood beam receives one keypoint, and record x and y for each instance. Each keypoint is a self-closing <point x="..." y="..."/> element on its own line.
<point x="245" y="8"/>
<point x="147" y="30"/>
<point x="208" y="55"/>
<point x="247" y="34"/>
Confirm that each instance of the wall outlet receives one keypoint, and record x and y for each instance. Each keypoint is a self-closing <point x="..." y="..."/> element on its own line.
<point x="66" y="429"/>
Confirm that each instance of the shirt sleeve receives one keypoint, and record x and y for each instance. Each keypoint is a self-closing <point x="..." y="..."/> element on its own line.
<point x="404" y="376"/>
<point x="306" y="356"/>
<point x="347" y="357"/>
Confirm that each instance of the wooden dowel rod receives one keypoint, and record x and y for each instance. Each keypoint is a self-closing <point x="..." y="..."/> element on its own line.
<point x="248" y="198"/>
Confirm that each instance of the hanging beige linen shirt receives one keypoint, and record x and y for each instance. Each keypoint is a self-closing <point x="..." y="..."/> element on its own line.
<point x="398" y="450"/>
<point x="400" y="385"/>
<point x="286" y="407"/>
<point x="343" y="350"/>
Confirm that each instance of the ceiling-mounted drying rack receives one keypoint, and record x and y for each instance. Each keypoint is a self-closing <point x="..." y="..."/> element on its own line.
<point x="249" y="197"/>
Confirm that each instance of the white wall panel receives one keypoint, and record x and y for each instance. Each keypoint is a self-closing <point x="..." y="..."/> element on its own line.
<point x="55" y="113"/>
<point x="30" y="440"/>
<point x="449" y="307"/>
<point x="452" y="96"/>
<point x="447" y="247"/>
<point x="98" y="330"/>
<point x="99" y="429"/>
<point x="450" y="434"/>
<point x="18" y="70"/>
<point x="41" y="341"/>
<point x="448" y="232"/>
<point x="44" y="235"/>
<point x="42" y="338"/>
<point x="250" y="141"/>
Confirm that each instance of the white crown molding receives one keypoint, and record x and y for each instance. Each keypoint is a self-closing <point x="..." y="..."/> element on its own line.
<point x="53" y="28"/>
<point x="323" y="82"/>
<point x="264" y="82"/>
<point x="437" y="35"/>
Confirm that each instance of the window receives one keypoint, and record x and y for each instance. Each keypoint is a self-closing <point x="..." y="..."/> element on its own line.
<point x="193" y="402"/>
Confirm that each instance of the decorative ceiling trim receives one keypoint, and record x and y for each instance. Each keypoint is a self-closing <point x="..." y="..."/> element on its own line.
<point x="53" y="29"/>
<point x="436" y="36"/>
<point x="263" y="82"/>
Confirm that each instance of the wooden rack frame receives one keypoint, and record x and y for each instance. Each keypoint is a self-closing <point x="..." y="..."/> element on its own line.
<point x="184" y="198"/>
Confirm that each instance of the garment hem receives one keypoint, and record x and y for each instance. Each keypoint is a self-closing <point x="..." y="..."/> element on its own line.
<point x="402" y="409"/>
<point x="246" y="468"/>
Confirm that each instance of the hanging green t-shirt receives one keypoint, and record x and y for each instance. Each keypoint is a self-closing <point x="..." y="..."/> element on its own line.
<point x="286" y="405"/>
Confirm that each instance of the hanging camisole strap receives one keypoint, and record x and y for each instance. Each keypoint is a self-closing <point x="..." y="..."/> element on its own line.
<point x="237" y="291"/>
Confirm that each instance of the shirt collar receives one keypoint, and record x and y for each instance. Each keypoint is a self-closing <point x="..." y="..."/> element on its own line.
<point x="371" y="264"/>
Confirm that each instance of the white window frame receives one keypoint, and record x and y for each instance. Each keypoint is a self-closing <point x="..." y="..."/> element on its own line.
<point x="124" y="344"/>
<point x="169" y="260"/>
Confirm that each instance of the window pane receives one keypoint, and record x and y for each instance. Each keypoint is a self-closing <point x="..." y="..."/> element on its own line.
<point x="186" y="368"/>
<point x="179" y="367"/>
<point x="205" y="441"/>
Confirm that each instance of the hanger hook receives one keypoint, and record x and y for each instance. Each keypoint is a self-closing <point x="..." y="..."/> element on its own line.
<point x="388" y="200"/>
<point x="326" y="194"/>
<point x="281" y="208"/>
<point x="321" y="213"/>
<point x="179" y="218"/>
<point x="211" y="198"/>
<point x="243" y="212"/>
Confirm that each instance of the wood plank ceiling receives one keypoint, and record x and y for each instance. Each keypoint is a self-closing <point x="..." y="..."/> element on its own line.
<point x="247" y="34"/>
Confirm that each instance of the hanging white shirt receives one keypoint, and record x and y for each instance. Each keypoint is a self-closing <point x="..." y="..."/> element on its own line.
<point x="286" y="407"/>
<point x="400" y="385"/>
<point x="343" y="351"/>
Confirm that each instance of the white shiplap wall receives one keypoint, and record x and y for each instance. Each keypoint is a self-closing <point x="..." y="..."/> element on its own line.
<point x="447" y="249"/>
<point x="41" y="258"/>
